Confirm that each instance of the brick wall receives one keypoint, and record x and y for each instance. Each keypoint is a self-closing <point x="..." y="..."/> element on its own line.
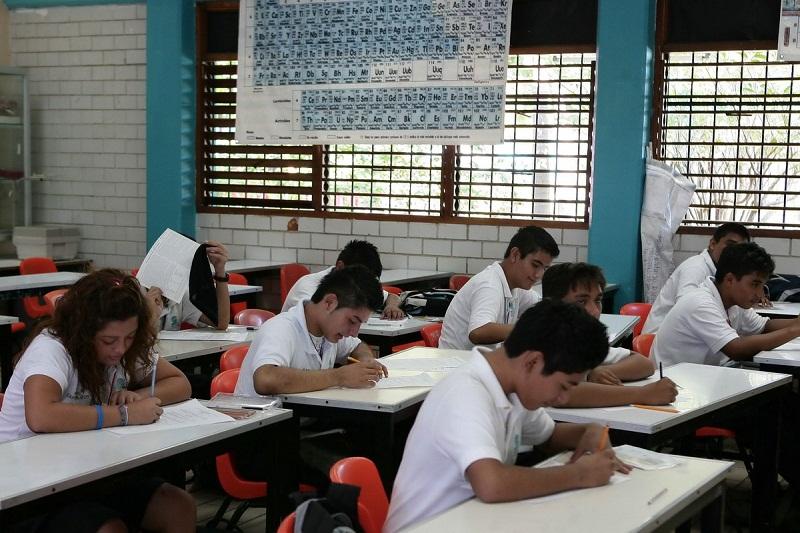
<point x="87" y="74"/>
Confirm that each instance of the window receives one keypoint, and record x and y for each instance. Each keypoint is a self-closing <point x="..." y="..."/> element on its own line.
<point x="541" y="172"/>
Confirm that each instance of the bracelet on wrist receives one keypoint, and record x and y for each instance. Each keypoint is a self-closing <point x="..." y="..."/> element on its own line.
<point x="100" y="415"/>
<point x="222" y="279"/>
<point x="123" y="415"/>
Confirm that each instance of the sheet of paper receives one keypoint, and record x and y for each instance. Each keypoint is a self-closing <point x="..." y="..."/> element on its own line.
<point x="560" y="460"/>
<point x="645" y="459"/>
<point x="187" y="414"/>
<point x="382" y="322"/>
<point x="168" y="263"/>
<point x="203" y="334"/>
<point x="394" y="382"/>
<point x="442" y="364"/>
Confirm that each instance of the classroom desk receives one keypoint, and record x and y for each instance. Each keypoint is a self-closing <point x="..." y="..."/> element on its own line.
<point x="415" y="279"/>
<point x="709" y="395"/>
<point x="245" y="293"/>
<point x="696" y="485"/>
<point x="619" y="326"/>
<point x="41" y="472"/>
<point x="779" y="310"/>
<point x="10" y="267"/>
<point x="248" y="266"/>
<point x="178" y="350"/>
<point x="12" y="287"/>
<point x="265" y="274"/>
<point x="377" y="411"/>
<point x="384" y="337"/>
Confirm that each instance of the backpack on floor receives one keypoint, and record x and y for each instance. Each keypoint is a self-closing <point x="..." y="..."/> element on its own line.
<point x="337" y="512"/>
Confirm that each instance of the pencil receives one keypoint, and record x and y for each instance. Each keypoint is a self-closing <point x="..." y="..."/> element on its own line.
<point x="661" y="370"/>
<point x="657" y="496"/>
<point x="153" y="377"/>
<point x="351" y="359"/>
<point x="111" y="387"/>
<point x="603" y="440"/>
<point x="656" y="408"/>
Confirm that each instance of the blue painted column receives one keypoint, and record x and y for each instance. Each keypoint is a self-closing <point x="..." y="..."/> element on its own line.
<point x="170" y="117"/>
<point x="625" y="41"/>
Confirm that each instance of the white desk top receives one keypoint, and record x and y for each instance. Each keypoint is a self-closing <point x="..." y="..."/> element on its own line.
<point x="785" y="355"/>
<point x="788" y="309"/>
<point x="174" y="350"/>
<point x="411" y="325"/>
<point x="45" y="464"/>
<point x="237" y="290"/>
<point x="39" y="281"/>
<point x="387" y="400"/>
<point x="619" y="326"/>
<point x="8" y="320"/>
<point x="243" y="266"/>
<point x="608" y="509"/>
<point x="704" y="389"/>
<point x="403" y="275"/>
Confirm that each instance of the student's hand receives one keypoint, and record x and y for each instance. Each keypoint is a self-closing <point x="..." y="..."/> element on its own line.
<point x="155" y="300"/>
<point x="361" y="375"/>
<point x="144" y="411"/>
<point x="661" y="392"/>
<point x="590" y="441"/>
<point x="392" y="312"/>
<point x="124" y="397"/>
<point x="603" y="375"/>
<point x="218" y="255"/>
<point x="595" y="469"/>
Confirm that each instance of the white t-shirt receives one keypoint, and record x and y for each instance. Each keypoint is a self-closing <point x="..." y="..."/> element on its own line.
<point x="305" y="288"/>
<point x="176" y="313"/>
<point x="465" y="418"/>
<point x="697" y="328"/>
<point x="688" y="276"/>
<point x="615" y="355"/>
<point x="47" y="356"/>
<point x="284" y="341"/>
<point x="484" y="299"/>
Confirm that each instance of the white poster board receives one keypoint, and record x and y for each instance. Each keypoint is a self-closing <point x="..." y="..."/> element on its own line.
<point x="788" y="45"/>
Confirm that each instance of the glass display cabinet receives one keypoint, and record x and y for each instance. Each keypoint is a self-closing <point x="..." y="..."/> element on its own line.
<point x="15" y="160"/>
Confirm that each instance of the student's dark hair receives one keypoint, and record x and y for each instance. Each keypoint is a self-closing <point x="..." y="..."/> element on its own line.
<point x="560" y="279"/>
<point x="362" y="253"/>
<point x="354" y="287"/>
<point x="570" y="339"/>
<point x="742" y="259"/>
<point x="531" y="239"/>
<point x="731" y="227"/>
<point x="87" y="307"/>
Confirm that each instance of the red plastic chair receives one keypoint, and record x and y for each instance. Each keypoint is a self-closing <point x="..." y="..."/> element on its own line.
<point x="232" y="358"/>
<point x="237" y="279"/>
<point x="252" y="317"/>
<point x="34" y="307"/>
<point x="18" y="327"/>
<point x="373" y="505"/>
<point x="52" y="298"/>
<point x="287" y="524"/>
<point x="430" y="334"/>
<point x="644" y="343"/>
<point x="289" y="275"/>
<point x="391" y="289"/>
<point x="406" y="346"/>
<point x="134" y="271"/>
<point x="458" y="280"/>
<point x="639" y="309"/>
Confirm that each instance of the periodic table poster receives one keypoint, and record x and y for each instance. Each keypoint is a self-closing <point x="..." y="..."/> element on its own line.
<point x="376" y="72"/>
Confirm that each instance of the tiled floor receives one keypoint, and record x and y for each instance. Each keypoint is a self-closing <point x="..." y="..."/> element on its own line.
<point x="737" y="507"/>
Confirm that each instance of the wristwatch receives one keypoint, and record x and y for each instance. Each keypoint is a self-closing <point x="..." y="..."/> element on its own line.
<point x="223" y="279"/>
<point x="123" y="415"/>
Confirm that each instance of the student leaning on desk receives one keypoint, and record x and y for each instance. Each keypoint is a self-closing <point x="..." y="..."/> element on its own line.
<point x="469" y="430"/>
<point x="90" y="367"/>
<point x="583" y="284"/>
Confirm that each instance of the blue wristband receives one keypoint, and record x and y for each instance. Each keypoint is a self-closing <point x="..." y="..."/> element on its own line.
<point x="99" y="409"/>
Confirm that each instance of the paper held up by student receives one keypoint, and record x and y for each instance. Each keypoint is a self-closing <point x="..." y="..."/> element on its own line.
<point x="168" y="264"/>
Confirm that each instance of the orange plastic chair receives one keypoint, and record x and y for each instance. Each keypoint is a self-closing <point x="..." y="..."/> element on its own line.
<point x="232" y="358"/>
<point x="644" y="343"/>
<point x="18" y="327"/>
<point x="252" y="317"/>
<point x="289" y="275"/>
<point x="134" y="271"/>
<point x="287" y="524"/>
<point x="52" y="298"/>
<point x="34" y="308"/>
<point x="430" y="334"/>
<point x="373" y="505"/>
<point x="406" y="346"/>
<point x="237" y="279"/>
<point x="391" y="289"/>
<point x="639" y="309"/>
<point x="458" y="280"/>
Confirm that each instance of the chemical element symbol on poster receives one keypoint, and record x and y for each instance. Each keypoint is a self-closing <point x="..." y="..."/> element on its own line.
<point x="361" y="71"/>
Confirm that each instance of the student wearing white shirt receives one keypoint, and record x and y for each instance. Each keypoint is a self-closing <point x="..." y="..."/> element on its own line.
<point x="355" y="253"/>
<point x="467" y="434"/>
<point x="715" y="324"/>
<point x="693" y="272"/>
<point x="296" y="351"/>
<point x="484" y="310"/>
<point x="582" y="284"/>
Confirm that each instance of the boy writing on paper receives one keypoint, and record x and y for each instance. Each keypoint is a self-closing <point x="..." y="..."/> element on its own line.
<point x="355" y="253"/>
<point x="715" y="323"/>
<point x="583" y="284"/>
<point x="484" y="310"/>
<point x="691" y="274"/>
<point x="296" y="351"/>
<point x="467" y="434"/>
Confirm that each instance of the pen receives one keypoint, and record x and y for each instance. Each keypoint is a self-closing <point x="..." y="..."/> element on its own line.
<point x="656" y="408"/>
<point x="153" y="377"/>
<point x="111" y="387"/>
<point x="603" y="440"/>
<point x="352" y="359"/>
<point x="661" y="370"/>
<point x="657" y="496"/>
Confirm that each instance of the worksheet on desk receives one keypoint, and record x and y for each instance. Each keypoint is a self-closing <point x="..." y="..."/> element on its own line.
<point x="186" y="414"/>
<point x="394" y="71"/>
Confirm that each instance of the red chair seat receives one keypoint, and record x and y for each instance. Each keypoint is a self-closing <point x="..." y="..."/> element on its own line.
<point x="710" y="432"/>
<point x="406" y="346"/>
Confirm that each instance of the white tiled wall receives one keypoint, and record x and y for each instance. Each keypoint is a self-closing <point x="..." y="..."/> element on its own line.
<point x="785" y="252"/>
<point x="445" y="247"/>
<point x="87" y="74"/>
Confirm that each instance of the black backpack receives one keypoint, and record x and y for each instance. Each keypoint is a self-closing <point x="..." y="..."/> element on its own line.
<point x="336" y="512"/>
<point x="433" y="302"/>
<point x="784" y="288"/>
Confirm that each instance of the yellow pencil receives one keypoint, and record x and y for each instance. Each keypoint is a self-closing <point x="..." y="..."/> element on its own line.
<point x="603" y="440"/>
<point x="656" y="408"/>
<point x="352" y="359"/>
